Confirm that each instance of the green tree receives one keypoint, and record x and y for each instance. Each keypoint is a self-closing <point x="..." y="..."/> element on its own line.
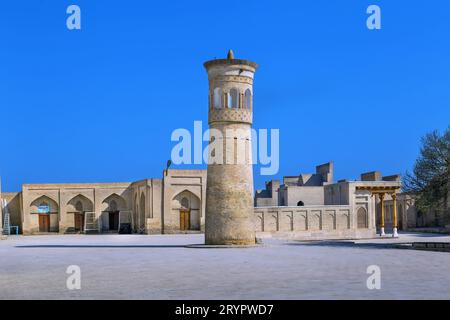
<point x="429" y="181"/>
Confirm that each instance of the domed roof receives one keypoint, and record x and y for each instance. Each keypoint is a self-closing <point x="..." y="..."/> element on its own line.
<point x="230" y="60"/>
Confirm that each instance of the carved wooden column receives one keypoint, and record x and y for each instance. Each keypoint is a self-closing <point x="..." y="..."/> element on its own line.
<point x="394" y="204"/>
<point x="381" y="195"/>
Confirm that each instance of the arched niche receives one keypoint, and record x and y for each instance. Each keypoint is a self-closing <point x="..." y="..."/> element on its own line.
<point x="113" y="203"/>
<point x="44" y="205"/>
<point x="186" y="205"/>
<point x="80" y="204"/>
<point x="362" y="219"/>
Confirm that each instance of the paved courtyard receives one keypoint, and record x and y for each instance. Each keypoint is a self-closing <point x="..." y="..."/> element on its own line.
<point x="162" y="267"/>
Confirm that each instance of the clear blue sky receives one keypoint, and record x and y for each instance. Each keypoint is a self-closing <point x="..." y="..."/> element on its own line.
<point x="99" y="105"/>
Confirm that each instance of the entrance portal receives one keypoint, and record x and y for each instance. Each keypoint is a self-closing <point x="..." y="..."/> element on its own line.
<point x="186" y="206"/>
<point x="114" y="220"/>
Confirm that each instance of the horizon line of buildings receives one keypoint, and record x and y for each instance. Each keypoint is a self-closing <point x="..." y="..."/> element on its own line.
<point x="308" y="205"/>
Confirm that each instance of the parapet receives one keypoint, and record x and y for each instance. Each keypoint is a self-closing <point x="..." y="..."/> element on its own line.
<point x="268" y="196"/>
<point x="394" y="177"/>
<point x="371" y="176"/>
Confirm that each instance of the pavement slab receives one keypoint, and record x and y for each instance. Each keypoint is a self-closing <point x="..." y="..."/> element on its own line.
<point x="173" y="267"/>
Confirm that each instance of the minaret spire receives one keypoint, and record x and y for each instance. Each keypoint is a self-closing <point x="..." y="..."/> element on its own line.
<point x="230" y="55"/>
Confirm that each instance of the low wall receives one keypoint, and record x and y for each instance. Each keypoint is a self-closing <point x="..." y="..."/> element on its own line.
<point x="309" y="223"/>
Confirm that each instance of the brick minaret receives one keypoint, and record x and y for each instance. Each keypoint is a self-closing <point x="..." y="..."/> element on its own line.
<point x="229" y="190"/>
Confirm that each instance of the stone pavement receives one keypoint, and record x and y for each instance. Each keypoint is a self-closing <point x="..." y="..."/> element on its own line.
<point x="163" y="267"/>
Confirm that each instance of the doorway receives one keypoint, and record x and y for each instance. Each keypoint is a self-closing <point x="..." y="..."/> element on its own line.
<point x="185" y="220"/>
<point x="44" y="223"/>
<point x="79" y="222"/>
<point x="114" y="220"/>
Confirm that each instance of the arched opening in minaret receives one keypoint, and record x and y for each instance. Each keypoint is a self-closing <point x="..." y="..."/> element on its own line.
<point x="233" y="99"/>
<point x="248" y="99"/>
<point x="217" y="99"/>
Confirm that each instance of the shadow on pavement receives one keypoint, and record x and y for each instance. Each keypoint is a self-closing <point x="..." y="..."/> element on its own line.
<point x="347" y="244"/>
<point x="103" y="246"/>
<point x="429" y="235"/>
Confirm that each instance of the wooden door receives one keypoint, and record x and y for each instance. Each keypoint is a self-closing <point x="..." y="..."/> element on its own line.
<point x="185" y="220"/>
<point x="79" y="222"/>
<point x="44" y="223"/>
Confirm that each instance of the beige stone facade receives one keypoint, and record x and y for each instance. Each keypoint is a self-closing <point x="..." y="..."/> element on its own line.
<point x="155" y="206"/>
<point x="312" y="206"/>
<point x="149" y="206"/>
<point x="176" y="203"/>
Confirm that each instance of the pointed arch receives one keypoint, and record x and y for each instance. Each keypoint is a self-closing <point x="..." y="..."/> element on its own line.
<point x="80" y="203"/>
<point x="114" y="202"/>
<point x="233" y="99"/>
<point x="217" y="98"/>
<point x="186" y="191"/>
<point x="248" y="99"/>
<point x="44" y="203"/>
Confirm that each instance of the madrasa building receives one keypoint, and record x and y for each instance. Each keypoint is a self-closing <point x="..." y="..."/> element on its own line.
<point x="304" y="206"/>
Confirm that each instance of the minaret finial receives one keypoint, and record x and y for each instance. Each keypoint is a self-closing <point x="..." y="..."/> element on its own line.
<point x="230" y="55"/>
